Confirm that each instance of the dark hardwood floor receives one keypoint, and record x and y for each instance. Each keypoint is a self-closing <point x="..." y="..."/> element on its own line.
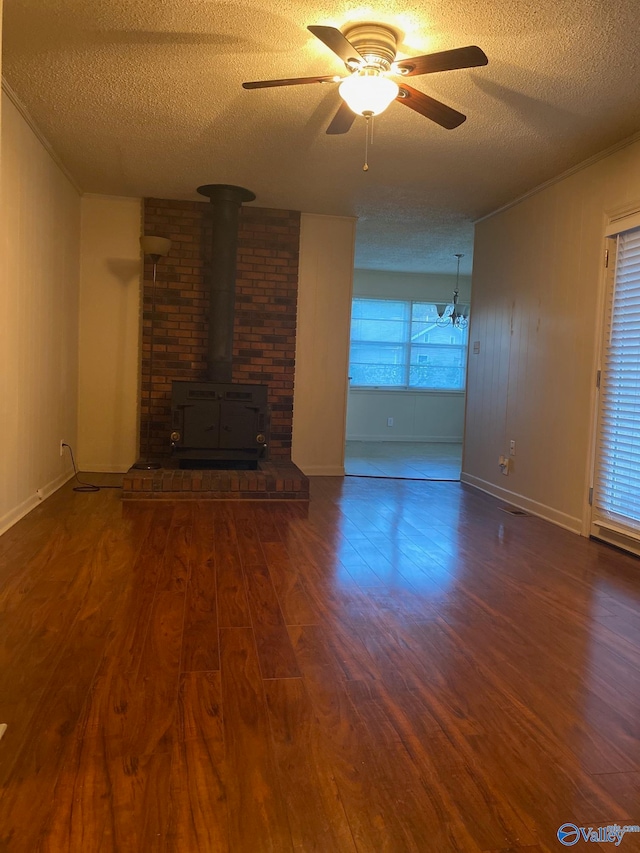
<point x="402" y="667"/>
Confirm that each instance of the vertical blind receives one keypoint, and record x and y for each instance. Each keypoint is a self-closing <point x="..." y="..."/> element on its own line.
<point x="617" y="480"/>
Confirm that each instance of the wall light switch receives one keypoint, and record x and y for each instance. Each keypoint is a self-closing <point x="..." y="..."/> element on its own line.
<point x="389" y="422"/>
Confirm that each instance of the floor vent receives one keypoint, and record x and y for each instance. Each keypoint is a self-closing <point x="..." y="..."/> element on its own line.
<point x="513" y="510"/>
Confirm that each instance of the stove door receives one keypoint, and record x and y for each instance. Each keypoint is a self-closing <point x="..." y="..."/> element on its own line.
<point x="201" y="426"/>
<point x="238" y="425"/>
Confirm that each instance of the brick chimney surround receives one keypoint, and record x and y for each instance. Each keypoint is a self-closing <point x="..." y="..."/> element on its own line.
<point x="263" y="350"/>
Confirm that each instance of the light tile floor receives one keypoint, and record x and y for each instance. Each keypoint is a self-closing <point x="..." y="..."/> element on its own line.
<point x="405" y="459"/>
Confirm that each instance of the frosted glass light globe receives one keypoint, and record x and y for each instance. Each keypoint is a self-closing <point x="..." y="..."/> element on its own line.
<point x="368" y="93"/>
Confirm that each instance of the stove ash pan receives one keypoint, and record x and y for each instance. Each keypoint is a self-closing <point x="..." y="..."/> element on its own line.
<point x="219" y="425"/>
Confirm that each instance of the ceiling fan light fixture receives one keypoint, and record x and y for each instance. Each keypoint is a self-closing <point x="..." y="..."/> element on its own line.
<point x="367" y="92"/>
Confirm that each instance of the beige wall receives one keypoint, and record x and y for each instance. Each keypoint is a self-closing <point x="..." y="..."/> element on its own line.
<point x="417" y="415"/>
<point x="322" y="344"/>
<point x="537" y="280"/>
<point x="40" y="213"/>
<point x="109" y="333"/>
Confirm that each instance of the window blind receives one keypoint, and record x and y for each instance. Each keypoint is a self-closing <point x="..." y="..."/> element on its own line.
<point x="617" y="474"/>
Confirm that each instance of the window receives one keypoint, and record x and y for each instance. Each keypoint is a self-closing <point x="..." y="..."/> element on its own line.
<point x="397" y="344"/>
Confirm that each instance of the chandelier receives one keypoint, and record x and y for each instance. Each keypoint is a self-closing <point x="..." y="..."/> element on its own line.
<point x="453" y="313"/>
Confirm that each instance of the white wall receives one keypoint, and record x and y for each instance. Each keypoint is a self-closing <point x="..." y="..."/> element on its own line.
<point x="40" y="216"/>
<point x="109" y="339"/>
<point x="322" y="343"/>
<point x="417" y="415"/>
<point x="537" y="278"/>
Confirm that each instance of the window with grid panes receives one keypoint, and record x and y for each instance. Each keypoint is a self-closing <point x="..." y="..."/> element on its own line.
<point x="398" y="344"/>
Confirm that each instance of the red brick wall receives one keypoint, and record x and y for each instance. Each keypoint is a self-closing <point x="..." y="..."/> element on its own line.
<point x="265" y="314"/>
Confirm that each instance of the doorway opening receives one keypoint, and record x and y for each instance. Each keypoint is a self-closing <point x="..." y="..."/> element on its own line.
<point x="407" y="374"/>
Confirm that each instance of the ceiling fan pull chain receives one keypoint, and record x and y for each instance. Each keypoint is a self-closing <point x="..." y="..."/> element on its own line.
<point x="365" y="168"/>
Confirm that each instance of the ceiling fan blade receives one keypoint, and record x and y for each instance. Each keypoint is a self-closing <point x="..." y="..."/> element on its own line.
<point x="342" y="120"/>
<point x="430" y="108"/>
<point x="292" y="81"/>
<point x="446" y="60"/>
<point x="336" y="42"/>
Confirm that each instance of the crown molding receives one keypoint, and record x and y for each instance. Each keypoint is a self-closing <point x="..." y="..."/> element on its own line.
<point x="584" y="164"/>
<point x="26" y="115"/>
<point x="134" y="199"/>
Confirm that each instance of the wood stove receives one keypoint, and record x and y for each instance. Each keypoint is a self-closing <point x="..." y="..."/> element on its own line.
<point x="220" y="423"/>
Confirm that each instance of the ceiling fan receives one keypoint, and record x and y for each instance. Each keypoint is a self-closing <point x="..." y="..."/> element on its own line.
<point x="368" y="51"/>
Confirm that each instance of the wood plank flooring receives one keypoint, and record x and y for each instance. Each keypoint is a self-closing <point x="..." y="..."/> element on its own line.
<point x="401" y="666"/>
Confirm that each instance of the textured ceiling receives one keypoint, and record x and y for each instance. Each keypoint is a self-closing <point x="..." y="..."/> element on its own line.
<point x="143" y="98"/>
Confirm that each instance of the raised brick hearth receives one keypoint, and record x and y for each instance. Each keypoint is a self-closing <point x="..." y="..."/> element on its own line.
<point x="272" y="481"/>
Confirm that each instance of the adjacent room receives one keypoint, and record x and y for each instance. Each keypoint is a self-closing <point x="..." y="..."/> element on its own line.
<point x="407" y="374"/>
<point x="319" y="517"/>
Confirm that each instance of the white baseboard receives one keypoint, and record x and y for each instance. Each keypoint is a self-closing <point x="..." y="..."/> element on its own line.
<point x="322" y="470"/>
<point x="14" y="515"/>
<point x="435" y="439"/>
<point x="89" y="468"/>
<point x="613" y="536"/>
<point x="522" y="502"/>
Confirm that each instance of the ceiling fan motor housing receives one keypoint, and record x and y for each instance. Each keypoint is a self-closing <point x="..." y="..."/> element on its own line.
<point x="376" y="43"/>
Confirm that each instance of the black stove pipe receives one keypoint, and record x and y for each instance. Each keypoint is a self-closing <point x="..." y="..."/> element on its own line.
<point x="220" y="275"/>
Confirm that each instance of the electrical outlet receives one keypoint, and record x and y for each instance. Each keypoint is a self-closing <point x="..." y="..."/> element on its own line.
<point x="62" y="446"/>
<point x="512" y="448"/>
<point x="40" y="494"/>
<point x="389" y="422"/>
